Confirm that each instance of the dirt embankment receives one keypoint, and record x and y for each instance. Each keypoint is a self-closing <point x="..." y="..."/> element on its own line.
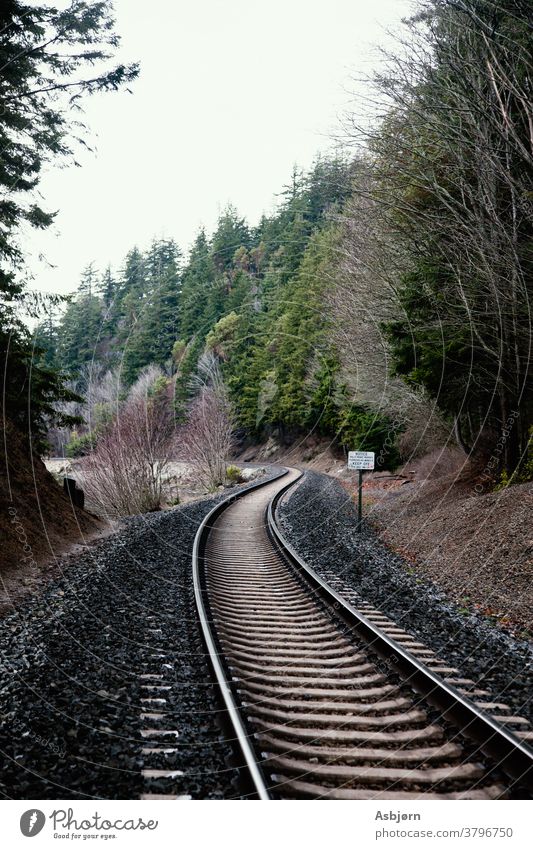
<point x="310" y="452"/>
<point x="474" y="544"/>
<point x="38" y="523"/>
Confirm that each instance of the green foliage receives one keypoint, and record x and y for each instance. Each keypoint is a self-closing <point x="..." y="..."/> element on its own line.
<point x="231" y="235"/>
<point x="197" y="308"/>
<point x="504" y="481"/>
<point x="79" y="333"/>
<point x="49" y="59"/>
<point x="454" y="195"/>
<point x="32" y="388"/>
<point x="159" y="388"/>
<point x="130" y="295"/>
<point x="156" y="316"/>
<point x="432" y="344"/>
<point x="81" y="445"/>
<point x="102" y="416"/>
<point x="178" y="350"/>
<point x="225" y="335"/>
<point x="233" y="475"/>
<point x="253" y="298"/>
<point x="361" y="429"/>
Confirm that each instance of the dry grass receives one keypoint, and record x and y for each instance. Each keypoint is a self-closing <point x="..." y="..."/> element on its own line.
<point x="477" y="547"/>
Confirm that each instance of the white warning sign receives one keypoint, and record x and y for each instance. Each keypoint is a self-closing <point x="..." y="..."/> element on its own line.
<point x="361" y="460"/>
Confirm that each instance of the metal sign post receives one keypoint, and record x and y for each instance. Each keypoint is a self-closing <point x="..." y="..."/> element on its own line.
<point x="360" y="461"/>
<point x="360" y="501"/>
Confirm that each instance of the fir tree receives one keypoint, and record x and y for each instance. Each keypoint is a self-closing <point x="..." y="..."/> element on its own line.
<point x="80" y="330"/>
<point x="197" y="281"/>
<point x="49" y="58"/>
<point x="156" y="327"/>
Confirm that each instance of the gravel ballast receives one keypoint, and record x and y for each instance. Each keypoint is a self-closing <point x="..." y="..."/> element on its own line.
<point x="319" y="520"/>
<point x="72" y="660"/>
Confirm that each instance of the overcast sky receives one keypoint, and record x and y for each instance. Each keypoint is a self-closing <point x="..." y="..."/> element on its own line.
<point x="231" y="94"/>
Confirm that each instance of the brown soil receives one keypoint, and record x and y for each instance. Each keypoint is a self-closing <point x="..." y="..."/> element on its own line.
<point x="310" y="452"/>
<point x="477" y="546"/>
<point x="38" y="523"/>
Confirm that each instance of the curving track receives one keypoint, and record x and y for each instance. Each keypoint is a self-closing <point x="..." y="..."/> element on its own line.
<point x="317" y="706"/>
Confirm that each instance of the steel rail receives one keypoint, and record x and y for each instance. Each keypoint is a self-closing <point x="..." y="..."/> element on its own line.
<point x="512" y="755"/>
<point x="202" y="603"/>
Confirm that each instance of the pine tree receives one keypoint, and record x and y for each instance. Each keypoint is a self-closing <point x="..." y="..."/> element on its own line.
<point x="80" y="329"/>
<point x="130" y="295"/>
<point x="107" y="288"/>
<point x="231" y="233"/>
<point x="197" y="281"/>
<point x="162" y="312"/>
<point x="156" y="328"/>
<point x="46" y="340"/>
<point x="46" y="56"/>
<point x="453" y="167"/>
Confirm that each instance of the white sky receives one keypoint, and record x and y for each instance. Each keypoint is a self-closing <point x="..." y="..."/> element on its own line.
<point x="231" y="94"/>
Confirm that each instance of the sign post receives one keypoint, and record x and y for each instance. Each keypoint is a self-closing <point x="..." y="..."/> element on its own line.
<point x="360" y="461"/>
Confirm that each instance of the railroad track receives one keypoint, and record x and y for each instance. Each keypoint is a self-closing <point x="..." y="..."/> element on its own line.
<point x="328" y="698"/>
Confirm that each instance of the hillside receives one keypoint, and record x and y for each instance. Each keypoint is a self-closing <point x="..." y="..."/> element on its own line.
<point x="252" y="297"/>
<point x="37" y="520"/>
<point x="474" y="545"/>
<point x="477" y="548"/>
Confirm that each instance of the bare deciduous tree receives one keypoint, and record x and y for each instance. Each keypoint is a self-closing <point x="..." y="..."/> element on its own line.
<point x="206" y="440"/>
<point x="125" y="473"/>
<point x="360" y="295"/>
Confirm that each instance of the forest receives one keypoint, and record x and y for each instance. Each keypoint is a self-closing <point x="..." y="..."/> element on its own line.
<point x="383" y="305"/>
<point x="239" y="242"/>
<point x="252" y="297"/>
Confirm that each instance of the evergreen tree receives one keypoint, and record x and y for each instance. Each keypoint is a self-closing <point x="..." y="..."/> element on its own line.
<point x="163" y="264"/>
<point x="108" y="289"/>
<point x="453" y="163"/>
<point x="45" y="55"/>
<point x="80" y="329"/>
<point x="130" y="295"/>
<point x="231" y="233"/>
<point x="253" y="298"/>
<point x="197" y="281"/>
<point x="46" y="341"/>
<point x="109" y="293"/>
<point x="156" y="327"/>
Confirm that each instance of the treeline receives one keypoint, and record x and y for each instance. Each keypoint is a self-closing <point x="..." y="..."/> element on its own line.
<point x="434" y="281"/>
<point x="385" y="304"/>
<point x="250" y="295"/>
<point x="125" y="321"/>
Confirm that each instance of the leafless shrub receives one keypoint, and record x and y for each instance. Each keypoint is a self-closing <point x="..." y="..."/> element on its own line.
<point x="125" y="474"/>
<point x="145" y="381"/>
<point x="100" y="390"/>
<point x="366" y="262"/>
<point x="206" y="440"/>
